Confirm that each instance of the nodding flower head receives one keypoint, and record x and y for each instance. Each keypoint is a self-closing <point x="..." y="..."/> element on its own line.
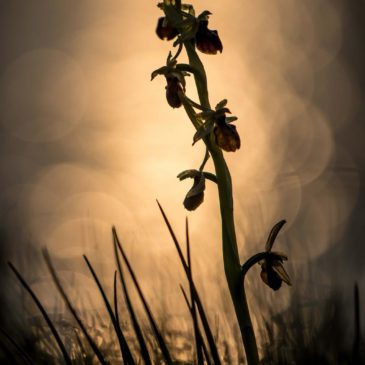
<point x="175" y="80"/>
<point x="165" y="30"/>
<point x="207" y="41"/>
<point x="173" y="88"/>
<point x="273" y="273"/>
<point x="226" y="135"/>
<point x="195" y="195"/>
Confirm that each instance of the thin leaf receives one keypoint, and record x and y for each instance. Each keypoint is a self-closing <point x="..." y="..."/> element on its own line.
<point x="221" y="104"/>
<point x="198" y="344"/>
<point x="8" y="353"/>
<point x="124" y="348"/>
<point x="44" y="314"/>
<point x="188" y="174"/>
<point x="203" y="317"/>
<point x="201" y="340"/>
<point x="193" y="173"/>
<point x="70" y="307"/>
<point x="17" y="347"/>
<point x="160" y="71"/>
<point x="137" y="329"/>
<point x="159" y="338"/>
<point x="115" y="296"/>
<point x="203" y="131"/>
<point x="231" y="119"/>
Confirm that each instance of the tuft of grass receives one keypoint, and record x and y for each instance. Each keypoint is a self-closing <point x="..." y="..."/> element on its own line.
<point x="313" y="333"/>
<point x="297" y="336"/>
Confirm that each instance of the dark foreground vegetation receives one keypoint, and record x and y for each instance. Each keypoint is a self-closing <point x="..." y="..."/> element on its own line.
<point x="305" y="333"/>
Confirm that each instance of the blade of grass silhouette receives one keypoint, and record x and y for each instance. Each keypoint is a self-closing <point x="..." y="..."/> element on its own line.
<point x="115" y="296"/>
<point x="203" y="317"/>
<point x="44" y="314"/>
<point x="17" y="347"/>
<point x="70" y="307"/>
<point x="124" y="348"/>
<point x="357" y="326"/>
<point x="137" y="329"/>
<point x="198" y="333"/>
<point x="198" y="344"/>
<point x="161" y="342"/>
<point x="9" y="352"/>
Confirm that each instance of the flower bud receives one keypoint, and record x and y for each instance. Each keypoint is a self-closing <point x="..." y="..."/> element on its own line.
<point x="195" y="195"/>
<point x="164" y="30"/>
<point x="207" y="41"/>
<point x="227" y="137"/>
<point x="173" y="88"/>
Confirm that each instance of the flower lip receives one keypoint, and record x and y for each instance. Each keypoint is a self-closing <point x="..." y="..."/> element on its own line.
<point x="226" y="135"/>
<point x="273" y="272"/>
<point x="173" y="88"/>
<point x="207" y="41"/>
<point x="164" y="30"/>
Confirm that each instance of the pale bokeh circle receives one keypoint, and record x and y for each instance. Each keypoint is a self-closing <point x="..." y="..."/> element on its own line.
<point x="43" y="95"/>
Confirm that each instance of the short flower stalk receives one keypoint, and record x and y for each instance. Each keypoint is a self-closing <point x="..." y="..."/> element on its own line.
<point x="216" y="129"/>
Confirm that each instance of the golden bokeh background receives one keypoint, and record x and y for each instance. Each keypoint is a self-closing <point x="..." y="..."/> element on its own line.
<point x="87" y="141"/>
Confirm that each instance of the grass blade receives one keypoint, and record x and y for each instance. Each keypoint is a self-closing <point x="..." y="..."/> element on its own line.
<point x="198" y="344"/>
<point x="137" y="329"/>
<point x="44" y="314"/>
<point x="9" y="353"/>
<point x="70" y="307"/>
<point x="357" y="325"/>
<point x="164" y="350"/>
<point x="115" y="291"/>
<point x="124" y="348"/>
<point x="203" y="317"/>
<point x="17" y="347"/>
<point x="198" y="333"/>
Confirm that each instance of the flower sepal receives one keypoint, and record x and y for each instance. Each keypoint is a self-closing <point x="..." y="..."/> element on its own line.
<point x="207" y="40"/>
<point x="175" y="80"/>
<point x="203" y="131"/>
<point x="165" y="30"/>
<point x="195" y="195"/>
<point x="273" y="272"/>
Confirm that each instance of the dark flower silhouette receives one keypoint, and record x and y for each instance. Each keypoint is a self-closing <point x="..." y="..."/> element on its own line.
<point x="207" y="41"/>
<point x="173" y="88"/>
<point x="195" y="195"/>
<point x="273" y="272"/>
<point x="226" y="135"/>
<point x="164" y="30"/>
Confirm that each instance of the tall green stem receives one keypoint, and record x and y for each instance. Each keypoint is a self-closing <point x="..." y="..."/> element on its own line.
<point x="231" y="258"/>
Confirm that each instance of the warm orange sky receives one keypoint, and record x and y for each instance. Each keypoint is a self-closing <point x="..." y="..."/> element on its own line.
<point x="88" y="141"/>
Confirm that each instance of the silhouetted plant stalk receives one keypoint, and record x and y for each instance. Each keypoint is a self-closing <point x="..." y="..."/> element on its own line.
<point x="216" y="130"/>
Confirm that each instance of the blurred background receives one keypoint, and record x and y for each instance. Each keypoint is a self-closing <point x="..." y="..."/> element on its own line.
<point x="87" y="142"/>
